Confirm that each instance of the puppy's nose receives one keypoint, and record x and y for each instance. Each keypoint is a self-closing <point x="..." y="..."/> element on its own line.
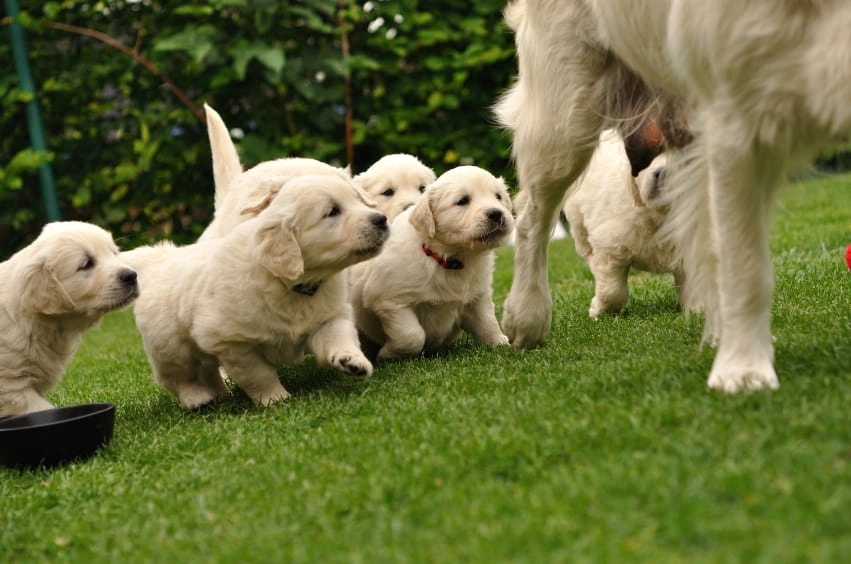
<point x="379" y="220"/>
<point x="127" y="276"/>
<point x="495" y="215"/>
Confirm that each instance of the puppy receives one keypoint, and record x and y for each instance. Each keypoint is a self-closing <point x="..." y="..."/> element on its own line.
<point x="434" y="277"/>
<point x="749" y="89"/>
<point x="615" y="220"/>
<point x="239" y="194"/>
<point x="264" y="294"/>
<point x="396" y="182"/>
<point x="51" y="292"/>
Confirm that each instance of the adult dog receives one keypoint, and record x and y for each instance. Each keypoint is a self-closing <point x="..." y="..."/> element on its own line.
<point x="433" y="279"/>
<point x="50" y="292"/>
<point x="395" y="182"/>
<point x="762" y="86"/>
<point x="265" y="294"/>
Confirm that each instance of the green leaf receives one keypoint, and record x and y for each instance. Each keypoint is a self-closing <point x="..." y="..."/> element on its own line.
<point x="196" y="41"/>
<point x="270" y="57"/>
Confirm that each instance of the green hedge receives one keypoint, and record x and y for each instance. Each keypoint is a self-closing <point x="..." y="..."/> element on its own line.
<point x="120" y="82"/>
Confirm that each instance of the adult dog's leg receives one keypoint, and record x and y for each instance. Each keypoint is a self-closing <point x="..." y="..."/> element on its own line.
<point x="556" y="111"/>
<point x="741" y="189"/>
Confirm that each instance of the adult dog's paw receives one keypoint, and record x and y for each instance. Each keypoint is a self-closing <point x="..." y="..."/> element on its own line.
<point x="526" y="320"/>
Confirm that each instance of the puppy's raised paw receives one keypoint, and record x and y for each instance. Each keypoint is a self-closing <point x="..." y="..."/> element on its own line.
<point x="352" y="362"/>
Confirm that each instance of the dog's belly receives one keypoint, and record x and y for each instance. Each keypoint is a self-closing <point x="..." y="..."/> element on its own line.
<point x="441" y="323"/>
<point x="284" y="352"/>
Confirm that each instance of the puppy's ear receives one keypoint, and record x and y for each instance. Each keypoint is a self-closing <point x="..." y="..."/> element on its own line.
<point x="42" y="292"/>
<point x="262" y="197"/>
<point x="422" y="217"/>
<point x="506" y="197"/>
<point x="277" y="248"/>
<point x="364" y="196"/>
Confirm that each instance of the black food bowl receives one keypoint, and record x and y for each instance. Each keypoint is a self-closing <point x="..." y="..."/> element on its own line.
<point x="55" y="436"/>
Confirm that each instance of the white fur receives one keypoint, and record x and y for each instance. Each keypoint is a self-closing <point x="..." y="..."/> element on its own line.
<point x="51" y="292"/>
<point x="616" y="221"/>
<point x="234" y="301"/>
<point x="404" y="301"/>
<point x="395" y="182"/>
<point x="241" y="195"/>
<point x="764" y="84"/>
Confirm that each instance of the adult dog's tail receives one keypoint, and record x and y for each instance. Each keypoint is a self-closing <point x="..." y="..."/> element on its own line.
<point x="226" y="164"/>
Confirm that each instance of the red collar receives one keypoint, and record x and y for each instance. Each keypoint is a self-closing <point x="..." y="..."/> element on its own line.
<point x="451" y="264"/>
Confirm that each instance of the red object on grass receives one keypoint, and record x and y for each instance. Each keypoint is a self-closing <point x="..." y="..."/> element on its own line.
<point x="848" y="256"/>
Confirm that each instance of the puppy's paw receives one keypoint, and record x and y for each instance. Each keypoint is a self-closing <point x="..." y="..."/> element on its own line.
<point x="497" y="340"/>
<point x="271" y="397"/>
<point x="193" y="396"/>
<point x="352" y="362"/>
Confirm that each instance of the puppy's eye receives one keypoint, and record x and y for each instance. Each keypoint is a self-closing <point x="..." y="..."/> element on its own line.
<point x="389" y="192"/>
<point x="499" y="197"/>
<point x="422" y="189"/>
<point x="333" y="212"/>
<point x="87" y="264"/>
<point x="463" y="201"/>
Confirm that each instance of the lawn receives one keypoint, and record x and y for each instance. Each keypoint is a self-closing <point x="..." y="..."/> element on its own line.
<point x="603" y="445"/>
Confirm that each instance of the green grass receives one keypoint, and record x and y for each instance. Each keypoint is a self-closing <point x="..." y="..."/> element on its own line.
<point x="604" y="445"/>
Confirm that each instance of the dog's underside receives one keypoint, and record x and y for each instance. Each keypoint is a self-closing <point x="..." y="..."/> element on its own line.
<point x="747" y="91"/>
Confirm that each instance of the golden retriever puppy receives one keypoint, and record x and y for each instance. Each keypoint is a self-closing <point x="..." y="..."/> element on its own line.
<point x="240" y="195"/>
<point x="396" y="182"/>
<point x="51" y="292"/>
<point x="263" y="295"/>
<point x="434" y="277"/>
<point x="616" y="221"/>
<point x="754" y="89"/>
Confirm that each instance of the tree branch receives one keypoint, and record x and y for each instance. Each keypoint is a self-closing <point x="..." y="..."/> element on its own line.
<point x="138" y="57"/>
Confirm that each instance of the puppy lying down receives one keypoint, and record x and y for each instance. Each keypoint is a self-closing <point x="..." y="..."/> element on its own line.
<point x="396" y="182"/>
<point x="617" y="222"/>
<point x="51" y="292"/>
<point x="265" y="294"/>
<point x="433" y="279"/>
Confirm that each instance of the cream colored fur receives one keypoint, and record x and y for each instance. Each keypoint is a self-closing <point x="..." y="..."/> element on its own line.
<point x="616" y="221"/>
<point x="241" y="195"/>
<point x="51" y="292"/>
<point x="243" y="300"/>
<point x="395" y="182"/>
<point x="404" y="301"/>
<point x="765" y="85"/>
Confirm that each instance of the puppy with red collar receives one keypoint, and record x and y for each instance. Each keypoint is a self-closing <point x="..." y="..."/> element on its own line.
<point x="433" y="280"/>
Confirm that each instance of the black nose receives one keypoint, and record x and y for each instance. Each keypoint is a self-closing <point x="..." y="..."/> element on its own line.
<point x="127" y="276"/>
<point x="379" y="220"/>
<point x="495" y="215"/>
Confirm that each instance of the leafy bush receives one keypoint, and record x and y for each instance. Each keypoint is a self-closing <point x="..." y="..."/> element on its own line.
<point x="120" y="84"/>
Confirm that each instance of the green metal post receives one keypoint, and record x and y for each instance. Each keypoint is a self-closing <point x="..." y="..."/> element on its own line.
<point x="36" y="128"/>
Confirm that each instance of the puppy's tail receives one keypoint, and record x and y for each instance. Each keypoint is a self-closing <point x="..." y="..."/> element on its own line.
<point x="226" y="164"/>
<point x="690" y="231"/>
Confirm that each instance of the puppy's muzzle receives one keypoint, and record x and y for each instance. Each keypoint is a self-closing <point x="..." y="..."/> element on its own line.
<point x="379" y="220"/>
<point x="376" y="236"/>
<point x="129" y="280"/>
